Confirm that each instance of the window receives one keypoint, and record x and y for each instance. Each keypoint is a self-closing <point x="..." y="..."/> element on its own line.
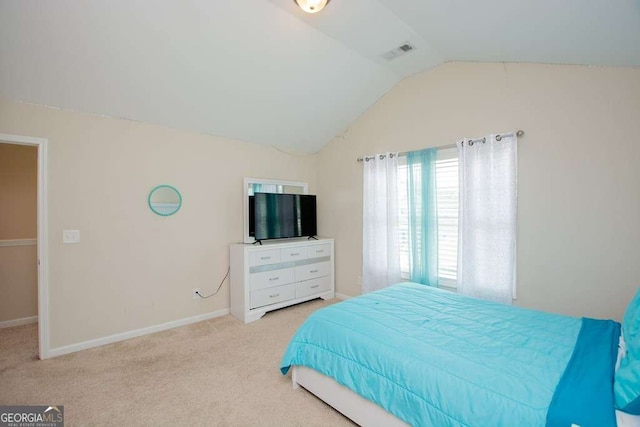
<point x="447" y="208"/>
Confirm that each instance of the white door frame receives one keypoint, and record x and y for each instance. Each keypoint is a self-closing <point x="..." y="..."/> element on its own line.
<point x="43" y="248"/>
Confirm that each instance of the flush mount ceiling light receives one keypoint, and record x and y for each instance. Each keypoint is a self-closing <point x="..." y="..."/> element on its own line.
<point x="312" y="6"/>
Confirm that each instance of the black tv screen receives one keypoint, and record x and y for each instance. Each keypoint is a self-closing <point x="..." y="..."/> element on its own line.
<point x="280" y="216"/>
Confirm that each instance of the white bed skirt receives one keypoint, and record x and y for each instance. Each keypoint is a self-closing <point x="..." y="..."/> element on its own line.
<point x="366" y="413"/>
<point x="355" y="407"/>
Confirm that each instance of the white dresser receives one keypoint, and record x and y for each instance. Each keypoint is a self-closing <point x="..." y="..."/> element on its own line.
<point x="275" y="275"/>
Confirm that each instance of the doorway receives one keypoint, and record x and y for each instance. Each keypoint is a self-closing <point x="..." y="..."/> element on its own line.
<point x="22" y="147"/>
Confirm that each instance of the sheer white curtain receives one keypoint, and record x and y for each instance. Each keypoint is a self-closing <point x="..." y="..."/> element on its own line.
<point x="381" y="255"/>
<point x="487" y="221"/>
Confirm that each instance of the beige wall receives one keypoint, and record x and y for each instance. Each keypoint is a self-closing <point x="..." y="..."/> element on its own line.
<point x="18" y="210"/>
<point x="579" y="179"/>
<point x="578" y="193"/>
<point x="132" y="268"/>
<point x="18" y="191"/>
<point x="18" y="282"/>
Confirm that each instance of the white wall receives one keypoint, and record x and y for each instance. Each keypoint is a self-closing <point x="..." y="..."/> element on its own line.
<point x="132" y="268"/>
<point x="579" y="174"/>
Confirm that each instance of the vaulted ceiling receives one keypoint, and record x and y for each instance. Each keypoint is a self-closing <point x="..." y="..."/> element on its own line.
<point x="265" y="72"/>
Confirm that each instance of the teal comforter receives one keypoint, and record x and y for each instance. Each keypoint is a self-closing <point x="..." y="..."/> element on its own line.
<point x="435" y="358"/>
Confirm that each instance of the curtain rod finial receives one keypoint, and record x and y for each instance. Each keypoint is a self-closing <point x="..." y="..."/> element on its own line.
<point x="520" y="133"/>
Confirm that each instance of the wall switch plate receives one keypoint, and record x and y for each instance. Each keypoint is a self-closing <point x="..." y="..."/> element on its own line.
<point x="70" y="236"/>
<point x="194" y="294"/>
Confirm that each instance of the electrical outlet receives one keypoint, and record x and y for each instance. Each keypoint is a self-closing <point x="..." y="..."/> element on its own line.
<point x="194" y="293"/>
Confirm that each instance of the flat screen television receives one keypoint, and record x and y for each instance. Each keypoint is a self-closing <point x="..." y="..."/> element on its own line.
<point x="281" y="216"/>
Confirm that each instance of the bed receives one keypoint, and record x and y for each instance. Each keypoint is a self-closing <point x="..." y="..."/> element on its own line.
<point x="415" y="355"/>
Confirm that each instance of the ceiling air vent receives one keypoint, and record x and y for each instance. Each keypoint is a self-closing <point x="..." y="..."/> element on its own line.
<point x="398" y="51"/>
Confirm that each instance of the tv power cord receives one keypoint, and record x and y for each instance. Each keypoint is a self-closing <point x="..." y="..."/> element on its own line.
<point x="219" y="286"/>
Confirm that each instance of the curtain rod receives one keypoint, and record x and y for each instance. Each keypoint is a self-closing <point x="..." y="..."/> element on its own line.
<point x="518" y="134"/>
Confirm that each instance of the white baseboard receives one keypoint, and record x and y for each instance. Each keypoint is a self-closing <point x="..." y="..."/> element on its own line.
<point x="54" y="352"/>
<point x="343" y="296"/>
<point x="18" y="322"/>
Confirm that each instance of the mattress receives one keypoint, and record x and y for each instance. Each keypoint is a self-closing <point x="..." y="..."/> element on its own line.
<point x="432" y="357"/>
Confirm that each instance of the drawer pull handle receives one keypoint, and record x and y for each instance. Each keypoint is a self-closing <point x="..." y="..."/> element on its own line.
<point x="274" y="295"/>
<point x="314" y="286"/>
<point x="273" y="278"/>
<point x="313" y="271"/>
<point x="319" y="251"/>
<point x="296" y="254"/>
<point x="265" y="257"/>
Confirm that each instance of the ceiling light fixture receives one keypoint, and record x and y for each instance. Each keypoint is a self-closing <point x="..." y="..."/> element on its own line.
<point x="312" y="6"/>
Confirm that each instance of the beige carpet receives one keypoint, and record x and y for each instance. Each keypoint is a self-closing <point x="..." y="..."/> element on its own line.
<point x="217" y="372"/>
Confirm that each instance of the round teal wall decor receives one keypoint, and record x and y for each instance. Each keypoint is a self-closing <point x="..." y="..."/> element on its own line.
<point x="164" y="200"/>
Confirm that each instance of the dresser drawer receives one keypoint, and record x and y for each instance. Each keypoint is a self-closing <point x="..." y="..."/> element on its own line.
<point x="314" y="286"/>
<point x="317" y="251"/>
<point x="272" y="295"/>
<point x="293" y="254"/>
<point x="269" y="279"/>
<point x="313" y="271"/>
<point x="264" y="257"/>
